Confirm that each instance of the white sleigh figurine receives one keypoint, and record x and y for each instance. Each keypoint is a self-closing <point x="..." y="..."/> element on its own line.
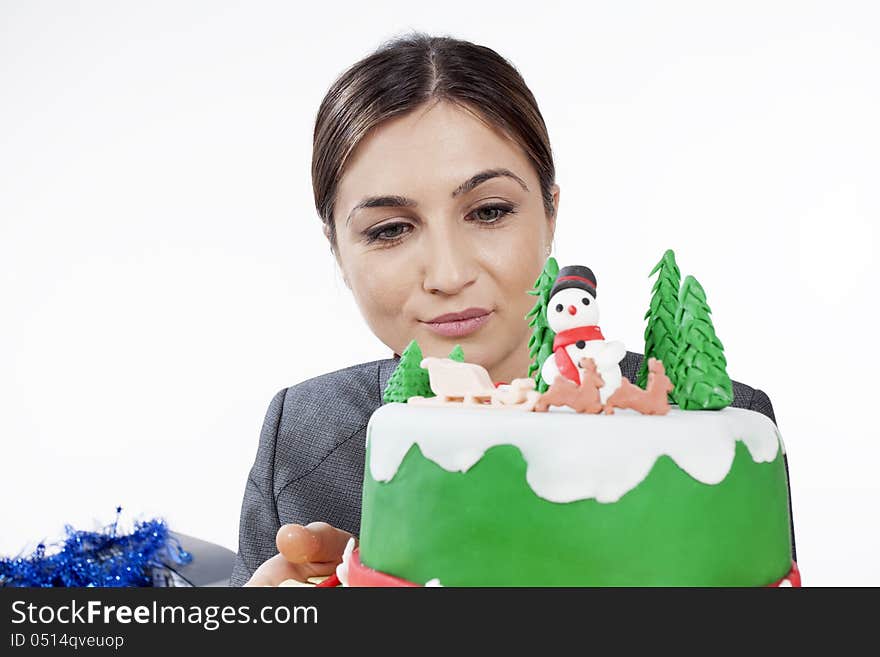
<point x="468" y="384"/>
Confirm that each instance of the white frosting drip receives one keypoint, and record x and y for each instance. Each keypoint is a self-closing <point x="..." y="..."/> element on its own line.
<point x="342" y="568"/>
<point x="572" y="456"/>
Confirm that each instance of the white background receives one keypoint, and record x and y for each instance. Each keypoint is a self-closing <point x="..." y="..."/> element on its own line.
<point x="162" y="264"/>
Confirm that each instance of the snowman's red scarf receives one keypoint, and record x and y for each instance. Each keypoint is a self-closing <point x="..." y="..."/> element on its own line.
<point x="563" y="339"/>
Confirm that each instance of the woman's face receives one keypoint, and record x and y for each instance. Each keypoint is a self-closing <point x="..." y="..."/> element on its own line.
<point x="437" y="215"/>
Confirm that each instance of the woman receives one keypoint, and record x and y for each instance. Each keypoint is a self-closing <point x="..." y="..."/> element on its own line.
<point x="434" y="178"/>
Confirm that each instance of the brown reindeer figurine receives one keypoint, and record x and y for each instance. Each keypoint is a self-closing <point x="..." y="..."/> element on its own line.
<point x="583" y="398"/>
<point x="653" y="400"/>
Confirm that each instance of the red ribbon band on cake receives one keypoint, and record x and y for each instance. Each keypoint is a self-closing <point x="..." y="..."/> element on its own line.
<point x="563" y="339"/>
<point x="793" y="578"/>
<point x="361" y="575"/>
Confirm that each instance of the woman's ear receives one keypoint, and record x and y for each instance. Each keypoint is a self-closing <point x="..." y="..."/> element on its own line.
<point x="552" y="220"/>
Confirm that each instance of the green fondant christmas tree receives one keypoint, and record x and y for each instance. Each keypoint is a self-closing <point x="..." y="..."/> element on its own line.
<point x="700" y="370"/>
<point x="409" y="379"/>
<point x="457" y="354"/>
<point x="661" y="331"/>
<point x="541" y="342"/>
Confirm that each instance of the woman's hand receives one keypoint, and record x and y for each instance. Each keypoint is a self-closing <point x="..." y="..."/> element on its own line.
<point x="313" y="550"/>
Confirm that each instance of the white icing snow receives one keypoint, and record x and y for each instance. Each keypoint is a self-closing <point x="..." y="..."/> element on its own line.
<point x="342" y="567"/>
<point x="572" y="456"/>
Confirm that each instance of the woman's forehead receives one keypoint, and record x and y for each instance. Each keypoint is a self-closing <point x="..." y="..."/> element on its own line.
<point x="427" y="152"/>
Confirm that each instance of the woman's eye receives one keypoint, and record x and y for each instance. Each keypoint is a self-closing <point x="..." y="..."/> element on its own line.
<point x="388" y="232"/>
<point x="490" y="214"/>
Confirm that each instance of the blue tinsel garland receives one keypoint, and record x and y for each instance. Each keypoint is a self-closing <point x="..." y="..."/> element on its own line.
<point x="98" y="558"/>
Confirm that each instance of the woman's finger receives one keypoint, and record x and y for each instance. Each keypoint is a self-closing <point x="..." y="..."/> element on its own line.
<point x="275" y="570"/>
<point x="331" y="542"/>
<point x="315" y="543"/>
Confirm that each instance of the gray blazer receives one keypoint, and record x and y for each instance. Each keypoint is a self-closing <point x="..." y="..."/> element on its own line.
<point x="310" y="459"/>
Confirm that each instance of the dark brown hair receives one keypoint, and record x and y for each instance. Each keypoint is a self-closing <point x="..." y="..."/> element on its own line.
<point x="406" y="72"/>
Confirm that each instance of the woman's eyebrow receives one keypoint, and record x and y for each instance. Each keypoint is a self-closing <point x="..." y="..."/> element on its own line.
<point x="395" y="201"/>
<point x="381" y="202"/>
<point x="483" y="176"/>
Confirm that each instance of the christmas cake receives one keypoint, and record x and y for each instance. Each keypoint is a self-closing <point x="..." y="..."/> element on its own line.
<point x="575" y="476"/>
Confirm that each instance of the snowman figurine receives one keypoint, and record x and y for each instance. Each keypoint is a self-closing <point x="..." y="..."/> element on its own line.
<point x="573" y="315"/>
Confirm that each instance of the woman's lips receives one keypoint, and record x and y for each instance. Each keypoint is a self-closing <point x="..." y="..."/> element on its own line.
<point x="455" y="325"/>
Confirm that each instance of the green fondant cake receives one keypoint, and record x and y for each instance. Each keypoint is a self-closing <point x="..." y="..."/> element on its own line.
<point x="464" y="490"/>
<point x="483" y="497"/>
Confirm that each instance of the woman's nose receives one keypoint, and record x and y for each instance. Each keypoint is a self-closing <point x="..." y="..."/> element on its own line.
<point x="450" y="265"/>
<point x="572" y="310"/>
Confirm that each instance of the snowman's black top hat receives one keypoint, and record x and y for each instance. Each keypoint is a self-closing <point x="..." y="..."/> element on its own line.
<point x="575" y="276"/>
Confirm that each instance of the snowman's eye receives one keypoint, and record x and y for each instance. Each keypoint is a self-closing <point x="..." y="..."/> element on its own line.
<point x="559" y="307"/>
<point x="586" y="301"/>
